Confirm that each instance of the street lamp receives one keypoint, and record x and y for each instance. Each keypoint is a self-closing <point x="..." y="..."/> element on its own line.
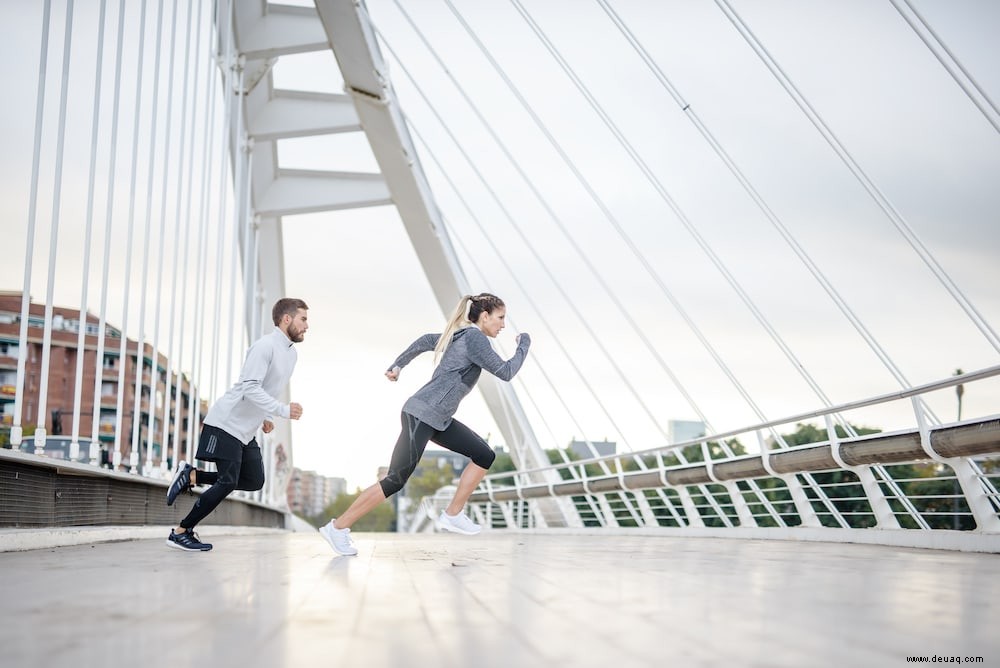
<point x="959" y="391"/>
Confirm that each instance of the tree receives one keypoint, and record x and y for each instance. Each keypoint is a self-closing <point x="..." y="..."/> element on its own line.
<point x="382" y="518"/>
<point x="503" y="463"/>
<point x="926" y="485"/>
<point x="428" y="479"/>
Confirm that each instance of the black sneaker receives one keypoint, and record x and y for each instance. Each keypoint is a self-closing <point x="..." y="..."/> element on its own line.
<point x="180" y="483"/>
<point x="187" y="541"/>
<point x="205" y="546"/>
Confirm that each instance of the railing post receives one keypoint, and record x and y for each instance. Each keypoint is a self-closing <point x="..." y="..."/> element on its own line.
<point x="884" y="517"/>
<point x="739" y="503"/>
<point x="607" y="510"/>
<point x="965" y="473"/>
<point x="694" y="517"/>
<point x="807" y="514"/>
<point x="742" y="509"/>
<point x="648" y="517"/>
<point x="508" y="517"/>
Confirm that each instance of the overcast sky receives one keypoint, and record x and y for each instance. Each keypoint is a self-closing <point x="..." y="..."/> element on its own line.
<point x="903" y="119"/>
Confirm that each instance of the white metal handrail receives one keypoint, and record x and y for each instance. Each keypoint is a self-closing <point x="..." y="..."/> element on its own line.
<point x="938" y="481"/>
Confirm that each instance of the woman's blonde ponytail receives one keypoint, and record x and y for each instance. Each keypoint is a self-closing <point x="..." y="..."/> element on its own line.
<point x="459" y="318"/>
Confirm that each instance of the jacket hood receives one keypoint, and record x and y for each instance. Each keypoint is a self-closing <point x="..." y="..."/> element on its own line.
<point x="462" y="332"/>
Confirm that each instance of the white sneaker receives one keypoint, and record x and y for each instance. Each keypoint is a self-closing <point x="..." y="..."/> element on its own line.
<point x="339" y="539"/>
<point x="458" y="524"/>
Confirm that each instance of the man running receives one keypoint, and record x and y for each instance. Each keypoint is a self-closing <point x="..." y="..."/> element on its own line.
<point x="228" y="434"/>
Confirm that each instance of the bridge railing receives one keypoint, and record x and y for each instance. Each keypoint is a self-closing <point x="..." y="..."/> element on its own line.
<point x="932" y="485"/>
<point x="38" y="492"/>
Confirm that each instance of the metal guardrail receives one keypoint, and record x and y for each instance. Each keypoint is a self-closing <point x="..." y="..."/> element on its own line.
<point x="922" y="486"/>
<point x="38" y="492"/>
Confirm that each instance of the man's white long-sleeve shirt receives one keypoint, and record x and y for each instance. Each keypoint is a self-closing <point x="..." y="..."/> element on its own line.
<point x="265" y="373"/>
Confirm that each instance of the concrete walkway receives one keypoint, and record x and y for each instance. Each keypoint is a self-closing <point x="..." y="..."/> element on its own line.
<point x="499" y="599"/>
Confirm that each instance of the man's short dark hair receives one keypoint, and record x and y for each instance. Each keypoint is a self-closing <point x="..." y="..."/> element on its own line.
<point x="287" y="305"/>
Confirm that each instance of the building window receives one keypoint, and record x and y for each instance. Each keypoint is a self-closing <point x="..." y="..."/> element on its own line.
<point x="107" y="423"/>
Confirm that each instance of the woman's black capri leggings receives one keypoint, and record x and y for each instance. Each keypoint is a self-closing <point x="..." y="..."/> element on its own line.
<point x="413" y="439"/>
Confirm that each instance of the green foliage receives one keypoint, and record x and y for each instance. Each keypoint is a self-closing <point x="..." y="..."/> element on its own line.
<point x="929" y="488"/>
<point x="555" y="456"/>
<point x="807" y="433"/>
<point x="382" y="518"/>
<point x="428" y="479"/>
<point x="926" y="485"/>
<point x="504" y="462"/>
<point x="26" y="431"/>
<point x="693" y="453"/>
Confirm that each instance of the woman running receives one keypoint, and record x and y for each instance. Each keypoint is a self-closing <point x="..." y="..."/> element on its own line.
<point x="463" y="350"/>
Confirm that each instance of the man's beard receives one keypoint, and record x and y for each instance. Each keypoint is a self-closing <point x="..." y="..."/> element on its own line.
<point x="295" y="335"/>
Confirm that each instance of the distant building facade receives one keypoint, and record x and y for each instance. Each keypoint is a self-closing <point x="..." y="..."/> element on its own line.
<point x="679" y="431"/>
<point x="582" y="449"/>
<point x="309" y="493"/>
<point x="63" y="354"/>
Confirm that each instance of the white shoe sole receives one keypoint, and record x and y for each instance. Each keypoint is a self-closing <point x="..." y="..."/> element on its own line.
<point x="174" y="545"/>
<point x="446" y="526"/>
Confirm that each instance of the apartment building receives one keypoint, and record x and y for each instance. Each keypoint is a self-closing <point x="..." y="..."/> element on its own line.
<point x="103" y="384"/>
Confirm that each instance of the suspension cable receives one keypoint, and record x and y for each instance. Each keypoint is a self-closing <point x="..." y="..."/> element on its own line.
<point x="776" y="222"/>
<point x="74" y="446"/>
<point x="948" y="60"/>
<point x="528" y="181"/>
<point x="680" y="455"/>
<point x="108" y="227"/>
<point x="675" y="303"/>
<point x="141" y="341"/>
<point x="208" y="144"/>
<point x="224" y="60"/>
<point x="530" y="248"/>
<point x="453" y="233"/>
<point x="130" y="219"/>
<point x="883" y="202"/>
<point x="525" y="292"/>
<point x="668" y="199"/>
<point x="29" y="253"/>
<point x="571" y="240"/>
<point x="43" y="385"/>
<point x="528" y="244"/>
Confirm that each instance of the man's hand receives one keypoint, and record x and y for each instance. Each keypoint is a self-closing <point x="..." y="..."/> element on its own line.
<point x="294" y="410"/>
<point x="268" y="426"/>
<point x="392" y="374"/>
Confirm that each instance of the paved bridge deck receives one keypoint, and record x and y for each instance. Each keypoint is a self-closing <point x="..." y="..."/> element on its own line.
<point x="501" y="599"/>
